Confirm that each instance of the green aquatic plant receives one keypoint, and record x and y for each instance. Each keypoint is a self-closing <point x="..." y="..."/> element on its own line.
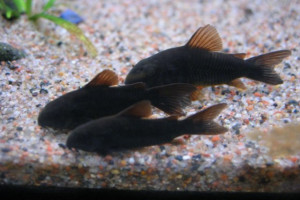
<point x="12" y="9"/>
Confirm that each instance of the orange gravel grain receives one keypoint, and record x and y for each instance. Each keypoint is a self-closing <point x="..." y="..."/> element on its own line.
<point x="257" y="94"/>
<point x="215" y="138"/>
<point x="250" y="107"/>
<point x="227" y="158"/>
<point x="224" y="177"/>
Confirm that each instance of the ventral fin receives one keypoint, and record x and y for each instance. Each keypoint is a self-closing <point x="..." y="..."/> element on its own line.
<point x="239" y="55"/>
<point x="172" y="117"/>
<point x="139" y="110"/>
<point x="238" y="84"/>
<point x="206" y="38"/>
<point x="197" y="94"/>
<point x="106" y="77"/>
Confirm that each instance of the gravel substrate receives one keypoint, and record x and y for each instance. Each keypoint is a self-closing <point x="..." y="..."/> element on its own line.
<point x="124" y="32"/>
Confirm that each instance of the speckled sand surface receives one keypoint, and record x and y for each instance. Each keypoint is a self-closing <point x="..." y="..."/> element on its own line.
<point x="125" y="32"/>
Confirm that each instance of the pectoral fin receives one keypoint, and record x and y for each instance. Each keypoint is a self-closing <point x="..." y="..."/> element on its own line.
<point x="140" y="109"/>
<point x="204" y="120"/>
<point x="239" y="55"/>
<point x="197" y="94"/>
<point x="238" y="84"/>
<point x="209" y="113"/>
<point x="206" y="38"/>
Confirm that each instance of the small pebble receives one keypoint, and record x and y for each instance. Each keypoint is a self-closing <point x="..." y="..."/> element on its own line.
<point x="197" y="157"/>
<point x="178" y="157"/>
<point x="11" y="119"/>
<point x="62" y="145"/>
<point x="293" y="102"/>
<point x="13" y="67"/>
<point x="236" y="128"/>
<point x="115" y="172"/>
<point x="43" y="91"/>
<point x="5" y="150"/>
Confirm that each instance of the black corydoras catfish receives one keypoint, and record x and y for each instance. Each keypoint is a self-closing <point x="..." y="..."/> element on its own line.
<point x="128" y="130"/>
<point x="199" y="63"/>
<point x="98" y="99"/>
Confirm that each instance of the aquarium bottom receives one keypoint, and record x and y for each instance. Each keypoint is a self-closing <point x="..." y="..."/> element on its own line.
<point x="45" y="192"/>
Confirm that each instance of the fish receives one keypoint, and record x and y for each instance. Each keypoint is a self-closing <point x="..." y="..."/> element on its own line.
<point x="130" y="129"/>
<point x="200" y="62"/>
<point x="101" y="97"/>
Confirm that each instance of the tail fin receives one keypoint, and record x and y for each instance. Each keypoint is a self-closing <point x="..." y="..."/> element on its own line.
<point x="204" y="120"/>
<point x="171" y="98"/>
<point x="263" y="69"/>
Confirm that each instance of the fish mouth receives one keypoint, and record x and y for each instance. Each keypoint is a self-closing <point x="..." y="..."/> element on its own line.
<point x="74" y="149"/>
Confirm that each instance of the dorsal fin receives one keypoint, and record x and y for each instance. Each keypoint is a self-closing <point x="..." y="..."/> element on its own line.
<point x="239" y="55"/>
<point x="106" y="77"/>
<point x="206" y="38"/>
<point x="140" y="109"/>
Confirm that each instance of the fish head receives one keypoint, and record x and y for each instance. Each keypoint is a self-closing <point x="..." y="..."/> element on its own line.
<point x="59" y="114"/>
<point x="143" y="71"/>
<point x="79" y="139"/>
<point x="87" y="137"/>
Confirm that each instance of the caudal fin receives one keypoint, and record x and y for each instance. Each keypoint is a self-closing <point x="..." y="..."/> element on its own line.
<point x="171" y="98"/>
<point x="204" y="123"/>
<point x="263" y="69"/>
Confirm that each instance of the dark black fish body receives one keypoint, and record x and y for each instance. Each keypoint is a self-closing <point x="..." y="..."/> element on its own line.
<point x="97" y="100"/>
<point x="190" y="65"/>
<point x="127" y="130"/>
<point x="199" y="63"/>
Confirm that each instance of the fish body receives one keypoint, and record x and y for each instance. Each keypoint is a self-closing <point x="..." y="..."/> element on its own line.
<point x="98" y="99"/>
<point x="128" y="130"/>
<point x="199" y="62"/>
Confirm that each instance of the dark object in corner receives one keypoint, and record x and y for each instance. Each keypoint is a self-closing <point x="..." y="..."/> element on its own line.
<point x="9" y="53"/>
<point x="46" y="192"/>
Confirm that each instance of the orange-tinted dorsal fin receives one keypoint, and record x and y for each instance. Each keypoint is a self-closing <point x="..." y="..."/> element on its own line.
<point x="238" y="84"/>
<point x="239" y="55"/>
<point x="139" y="110"/>
<point x="206" y="38"/>
<point x="106" y="77"/>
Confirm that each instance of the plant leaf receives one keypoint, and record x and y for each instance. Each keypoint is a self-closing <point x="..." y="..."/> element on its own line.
<point x="48" y="5"/>
<point x="8" y="14"/>
<point x="28" y="7"/>
<point x="73" y="29"/>
<point x="20" y="4"/>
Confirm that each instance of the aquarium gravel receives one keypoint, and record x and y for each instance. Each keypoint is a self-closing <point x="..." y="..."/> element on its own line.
<point x="125" y="32"/>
